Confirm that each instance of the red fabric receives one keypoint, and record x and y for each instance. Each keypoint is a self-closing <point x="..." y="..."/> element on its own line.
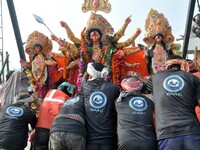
<point x="31" y="136"/>
<point x="197" y="74"/>
<point x="137" y="58"/>
<point x="119" y="70"/>
<point x="197" y="109"/>
<point x="71" y="74"/>
<point x="50" y="107"/>
<point x="60" y="64"/>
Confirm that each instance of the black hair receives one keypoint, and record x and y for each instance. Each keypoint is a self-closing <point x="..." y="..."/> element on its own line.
<point x="38" y="45"/>
<point x="128" y="76"/>
<point x="98" y="66"/>
<point x="57" y="83"/>
<point x="66" y="92"/>
<point x="175" y="66"/>
<point x="157" y="35"/>
<point x="170" y="57"/>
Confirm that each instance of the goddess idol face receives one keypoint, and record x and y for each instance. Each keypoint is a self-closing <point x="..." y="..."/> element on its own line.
<point x="95" y="36"/>
<point x="158" y="39"/>
<point x="38" y="48"/>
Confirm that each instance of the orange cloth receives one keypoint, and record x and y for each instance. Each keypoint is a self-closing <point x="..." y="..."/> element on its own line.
<point x="71" y="74"/>
<point x="197" y="110"/>
<point x="197" y="74"/>
<point x="60" y="64"/>
<point x="50" y="107"/>
<point x="184" y="66"/>
<point x="137" y="58"/>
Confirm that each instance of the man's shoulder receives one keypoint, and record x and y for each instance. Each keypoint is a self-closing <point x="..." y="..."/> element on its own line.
<point x="166" y="72"/>
<point x="112" y="84"/>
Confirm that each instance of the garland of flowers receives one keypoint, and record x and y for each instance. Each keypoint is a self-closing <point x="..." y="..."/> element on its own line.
<point x="82" y="62"/>
<point x="84" y="52"/>
<point x="113" y="71"/>
<point x="117" y="68"/>
<point x="105" y="51"/>
<point x="40" y="76"/>
<point x="107" y="59"/>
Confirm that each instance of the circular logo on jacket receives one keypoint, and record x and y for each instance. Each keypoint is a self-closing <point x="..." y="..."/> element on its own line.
<point x="71" y="101"/>
<point x="173" y="83"/>
<point x="138" y="103"/>
<point x="14" y="111"/>
<point x="98" y="100"/>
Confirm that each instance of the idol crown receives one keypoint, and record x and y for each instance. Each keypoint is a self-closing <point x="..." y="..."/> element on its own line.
<point x="96" y="5"/>
<point x="98" y="22"/>
<point x="156" y="23"/>
<point x="37" y="38"/>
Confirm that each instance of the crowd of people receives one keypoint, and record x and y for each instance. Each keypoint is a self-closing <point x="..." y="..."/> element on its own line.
<point x="87" y="102"/>
<point x="104" y="117"/>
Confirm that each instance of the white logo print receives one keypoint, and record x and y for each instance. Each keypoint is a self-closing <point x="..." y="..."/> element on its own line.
<point x="14" y="111"/>
<point x="173" y="83"/>
<point x="98" y="100"/>
<point x="138" y="103"/>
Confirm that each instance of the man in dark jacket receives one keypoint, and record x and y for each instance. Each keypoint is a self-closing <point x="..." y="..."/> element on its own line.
<point x="176" y="93"/>
<point x="14" y="120"/>
<point x="135" y="116"/>
<point x="99" y="100"/>
<point x="69" y="126"/>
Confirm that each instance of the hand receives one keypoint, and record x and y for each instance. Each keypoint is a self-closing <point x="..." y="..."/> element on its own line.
<point x="120" y="53"/>
<point x="147" y="77"/>
<point x="54" y="38"/>
<point x="138" y="31"/>
<point x="60" y="69"/>
<point x="64" y="24"/>
<point x="25" y="65"/>
<point x="136" y="65"/>
<point x="128" y="20"/>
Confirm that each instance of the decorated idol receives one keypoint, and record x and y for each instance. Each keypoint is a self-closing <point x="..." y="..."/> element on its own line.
<point x="159" y="39"/>
<point x="41" y="68"/>
<point x="98" y="42"/>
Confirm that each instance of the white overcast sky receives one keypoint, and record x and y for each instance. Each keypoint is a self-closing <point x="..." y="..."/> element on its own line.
<point x="53" y="11"/>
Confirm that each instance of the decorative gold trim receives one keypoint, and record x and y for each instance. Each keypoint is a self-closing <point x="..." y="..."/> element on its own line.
<point x="96" y="5"/>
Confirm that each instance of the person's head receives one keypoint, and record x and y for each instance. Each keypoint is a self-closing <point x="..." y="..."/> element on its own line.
<point x="67" y="88"/>
<point x="9" y="74"/>
<point x="24" y="98"/>
<point x="56" y="84"/>
<point x="96" y="70"/>
<point x="132" y="82"/>
<point x="17" y="83"/>
<point x="177" y="62"/>
<point x="20" y="81"/>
